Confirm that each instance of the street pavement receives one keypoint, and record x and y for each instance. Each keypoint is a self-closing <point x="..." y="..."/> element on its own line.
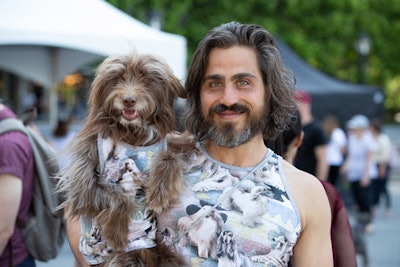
<point x="383" y="244"/>
<point x="64" y="259"/>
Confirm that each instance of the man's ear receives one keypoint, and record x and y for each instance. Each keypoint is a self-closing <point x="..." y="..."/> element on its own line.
<point x="299" y="140"/>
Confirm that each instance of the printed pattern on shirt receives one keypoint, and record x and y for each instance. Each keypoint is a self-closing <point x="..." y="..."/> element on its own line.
<point x="219" y="222"/>
<point x="124" y="168"/>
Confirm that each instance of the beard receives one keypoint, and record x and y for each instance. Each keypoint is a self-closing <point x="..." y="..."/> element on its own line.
<point x="226" y="135"/>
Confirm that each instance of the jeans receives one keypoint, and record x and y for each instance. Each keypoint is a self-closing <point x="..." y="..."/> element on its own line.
<point x="28" y="262"/>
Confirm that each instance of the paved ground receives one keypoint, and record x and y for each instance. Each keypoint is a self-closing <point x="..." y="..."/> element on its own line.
<point x="383" y="245"/>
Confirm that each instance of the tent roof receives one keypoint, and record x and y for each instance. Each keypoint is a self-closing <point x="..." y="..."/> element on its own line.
<point x="314" y="81"/>
<point x="331" y="95"/>
<point x="91" y="26"/>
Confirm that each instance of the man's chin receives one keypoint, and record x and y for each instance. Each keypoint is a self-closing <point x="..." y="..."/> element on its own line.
<point x="229" y="137"/>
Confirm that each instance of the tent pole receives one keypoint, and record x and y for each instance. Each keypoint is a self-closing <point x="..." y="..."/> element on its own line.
<point x="53" y="98"/>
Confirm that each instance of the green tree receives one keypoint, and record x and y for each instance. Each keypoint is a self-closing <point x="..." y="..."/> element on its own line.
<point x="322" y="32"/>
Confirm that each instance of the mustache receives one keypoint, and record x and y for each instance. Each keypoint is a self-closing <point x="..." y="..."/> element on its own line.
<point x="235" y="108"/>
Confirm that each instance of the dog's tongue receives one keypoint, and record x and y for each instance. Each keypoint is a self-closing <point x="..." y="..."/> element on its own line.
<point x="129" y="115"/>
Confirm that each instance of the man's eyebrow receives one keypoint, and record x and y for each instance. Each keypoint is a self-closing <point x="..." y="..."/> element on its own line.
<point x="242" y="75"/>
<point x="234" y="77"/>
<point x="213" y="77"/>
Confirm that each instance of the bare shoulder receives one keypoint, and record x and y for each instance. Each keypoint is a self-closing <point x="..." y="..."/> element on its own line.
<point x="307" y="191"/>
<point x="299" y="179"/>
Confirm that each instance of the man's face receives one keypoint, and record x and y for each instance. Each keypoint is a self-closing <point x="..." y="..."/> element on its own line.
<point x="233" y="96"/>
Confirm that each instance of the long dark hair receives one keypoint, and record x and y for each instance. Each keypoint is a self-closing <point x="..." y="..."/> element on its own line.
<point x="281" y="143"/>
<point x="279" y="81"/>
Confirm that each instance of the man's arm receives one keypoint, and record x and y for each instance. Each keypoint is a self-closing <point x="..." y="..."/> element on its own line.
<point x="314" y="247"/>
<point x="74" y="235"/>
<point x="322" y="168"/>
<point x="10" y="198"/>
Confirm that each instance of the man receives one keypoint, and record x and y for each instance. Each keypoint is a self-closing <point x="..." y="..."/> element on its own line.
<point x="237" y="90"/>
<point x="311" y="156"/>
<point x="16" y="186"/>
<point x="241" y="204"/>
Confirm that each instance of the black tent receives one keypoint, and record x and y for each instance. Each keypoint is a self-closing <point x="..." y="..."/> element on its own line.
<point x="330" y="95"/>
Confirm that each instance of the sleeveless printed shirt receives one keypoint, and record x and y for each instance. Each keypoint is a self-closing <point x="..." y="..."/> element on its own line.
<point x="124" y="167"/>
<point x="233" y="216"/>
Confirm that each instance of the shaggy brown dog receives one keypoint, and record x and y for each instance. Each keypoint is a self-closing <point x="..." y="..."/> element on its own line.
<point x="131" y="100"/>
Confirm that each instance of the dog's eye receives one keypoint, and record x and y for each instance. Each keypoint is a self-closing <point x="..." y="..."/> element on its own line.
<point x="147" y="80"/>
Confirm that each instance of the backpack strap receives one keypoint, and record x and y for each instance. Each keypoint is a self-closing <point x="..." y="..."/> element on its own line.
<point x="11" y="124"/>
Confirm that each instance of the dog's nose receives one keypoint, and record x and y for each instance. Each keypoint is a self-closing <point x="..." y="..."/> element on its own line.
<point x="129" y="101"/>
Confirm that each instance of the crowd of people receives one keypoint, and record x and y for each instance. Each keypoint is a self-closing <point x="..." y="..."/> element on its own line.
<point x="239" y="96"/>
<point x="358" y="155"/>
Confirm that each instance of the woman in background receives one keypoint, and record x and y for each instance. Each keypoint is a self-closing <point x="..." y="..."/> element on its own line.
<point x="336" y="148"/>
<point x="360" y="167"/>
<point x="382" y="157"/>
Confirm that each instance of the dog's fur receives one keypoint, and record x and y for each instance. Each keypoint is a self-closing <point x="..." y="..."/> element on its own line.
<point x="131" y="100"/>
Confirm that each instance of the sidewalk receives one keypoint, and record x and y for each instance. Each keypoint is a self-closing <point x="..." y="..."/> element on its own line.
<point x="383" y="245"/>
<point x="64" y="259"/>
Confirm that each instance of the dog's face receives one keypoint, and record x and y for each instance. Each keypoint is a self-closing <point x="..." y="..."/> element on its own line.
<point x="135" y="92"/>
<point x="226" y="237"/>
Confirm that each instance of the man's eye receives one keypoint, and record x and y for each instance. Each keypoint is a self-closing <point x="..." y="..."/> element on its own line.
<point x="214" y="84"/>
<point x="242" y="83"/>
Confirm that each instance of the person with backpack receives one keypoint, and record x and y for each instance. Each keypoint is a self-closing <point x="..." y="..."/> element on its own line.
<point x="16" y="188"/>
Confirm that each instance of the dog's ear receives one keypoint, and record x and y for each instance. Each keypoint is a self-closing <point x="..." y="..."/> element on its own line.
<point x="192" y="209"/>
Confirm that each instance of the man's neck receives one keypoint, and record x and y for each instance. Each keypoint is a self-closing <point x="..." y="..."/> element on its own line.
<point x="246" y="155"/>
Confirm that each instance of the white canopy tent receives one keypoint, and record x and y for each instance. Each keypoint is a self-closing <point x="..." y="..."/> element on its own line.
<point x="43" y="40"/>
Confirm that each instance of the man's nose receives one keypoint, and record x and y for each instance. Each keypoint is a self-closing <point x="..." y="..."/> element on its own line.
<point x="229" y="95"/>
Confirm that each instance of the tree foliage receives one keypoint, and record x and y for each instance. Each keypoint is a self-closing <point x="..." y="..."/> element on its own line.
<point x="322" y="32"/>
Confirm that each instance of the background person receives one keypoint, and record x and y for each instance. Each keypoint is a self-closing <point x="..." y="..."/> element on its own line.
<point x="60" y="137"/>
<point x="382" y="157"/>
<point x="360" y="167"/>
<point x="336" y="148"/>
<point x="311" y="156"/>
<point x="16" y="186"/>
